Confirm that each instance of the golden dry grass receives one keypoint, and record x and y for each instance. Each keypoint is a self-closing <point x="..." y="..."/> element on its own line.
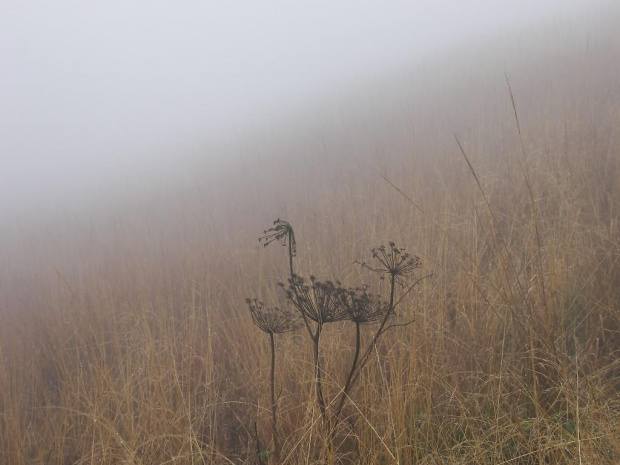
<point x="125" y="338"/>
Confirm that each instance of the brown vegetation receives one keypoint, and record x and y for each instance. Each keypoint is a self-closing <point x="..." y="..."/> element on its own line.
<point x="125" y="337"/>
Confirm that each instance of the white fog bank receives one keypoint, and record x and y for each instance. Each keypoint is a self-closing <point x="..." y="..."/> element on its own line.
<point x="92" y="92"/>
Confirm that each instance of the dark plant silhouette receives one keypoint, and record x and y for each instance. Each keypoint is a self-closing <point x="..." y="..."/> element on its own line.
<point x="398" y="266"/>
<point x="272" y="320"/>
<point x="319" y="304"/>
<point x="315" y="302"/>
<point x="322" y="302"/>
<point x="394" y="262"/>
<point x="362" y="308"/>
<point x="281" y="231"/>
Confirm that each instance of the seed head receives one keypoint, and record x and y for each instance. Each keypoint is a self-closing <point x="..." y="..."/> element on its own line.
<point x="272" y="320"/>
<point x="361" y="306"/>
<point x="317" y="301"/>
<point x="281" y="231"/>
<point x="393" y="261"/>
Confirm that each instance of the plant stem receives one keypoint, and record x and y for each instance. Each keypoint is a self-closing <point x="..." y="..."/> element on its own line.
<point x="348" y="383"/>
<point x="274" y="406"/>
<point x="318" y="375"/>
<point x="292" y="271"/>
<point x="290" y="256"/>
<point x="316" y="337"/>
<point x="258" y="451"/>
<point x="388" y="314"/>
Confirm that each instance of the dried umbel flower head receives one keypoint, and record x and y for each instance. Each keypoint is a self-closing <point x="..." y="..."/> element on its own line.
<point x="317" y="301"/>
<point x="393" y="261"/>
<point x="272" y="320"/>
<point x="361" y="306"/>
<point x="281" y="231"/>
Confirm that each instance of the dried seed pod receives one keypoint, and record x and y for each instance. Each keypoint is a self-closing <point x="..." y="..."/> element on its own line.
<point x="393" y="261"/>
<point x="272" y="320"/>
<point x="317" y="301"/>
<point x="281" y="231"/>
<point x="361" y="306"/>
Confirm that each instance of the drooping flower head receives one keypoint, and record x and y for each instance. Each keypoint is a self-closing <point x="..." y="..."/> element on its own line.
<point x="281" y="231"/>
<point x="272" y="320"/>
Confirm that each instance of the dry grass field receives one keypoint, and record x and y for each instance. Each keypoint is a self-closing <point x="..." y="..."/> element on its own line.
<point x="125" y="336"/>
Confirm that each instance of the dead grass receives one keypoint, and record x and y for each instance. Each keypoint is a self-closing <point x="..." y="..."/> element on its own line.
<point x="125" y="338"/>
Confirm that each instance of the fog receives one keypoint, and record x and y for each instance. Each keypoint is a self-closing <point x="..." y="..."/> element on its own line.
<point x="100" y="93"/>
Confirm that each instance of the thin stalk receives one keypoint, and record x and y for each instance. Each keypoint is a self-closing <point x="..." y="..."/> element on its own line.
<point x="318" y="375"/>
<point x="318" y="378"/>
<point x="316" y="337"/>
<point x="377" y="335"/>
<point x="258" y="451"/>
<point x="349" y="382"/>
<point x="358" y="364"/>
<point x="274" y="406"/>
<point x="290" y="256"/>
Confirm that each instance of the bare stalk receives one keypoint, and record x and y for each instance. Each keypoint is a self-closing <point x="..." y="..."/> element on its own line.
<point x="274" y="406"/>
<point x="349" y="382"/>
<point x="358" y="364"/>
<point x="258" y="451"/>
<point x="380" y="330"/>
<point x="318" y="375"/>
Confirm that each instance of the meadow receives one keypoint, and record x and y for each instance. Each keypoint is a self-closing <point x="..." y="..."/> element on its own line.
<point x="125" y="336"/>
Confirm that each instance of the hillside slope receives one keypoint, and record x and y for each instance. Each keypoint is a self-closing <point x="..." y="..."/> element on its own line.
<point x="124" y="333"/>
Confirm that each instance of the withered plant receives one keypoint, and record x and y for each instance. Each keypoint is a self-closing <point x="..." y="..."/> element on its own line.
<point x="362" y="308"/>
<point x="321" y="302"/>
<point x="272" y="320"/>
<point x="398" y="266"/>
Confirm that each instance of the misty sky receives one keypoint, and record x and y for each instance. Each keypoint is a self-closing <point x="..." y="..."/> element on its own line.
<point x="92" y="90"/>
